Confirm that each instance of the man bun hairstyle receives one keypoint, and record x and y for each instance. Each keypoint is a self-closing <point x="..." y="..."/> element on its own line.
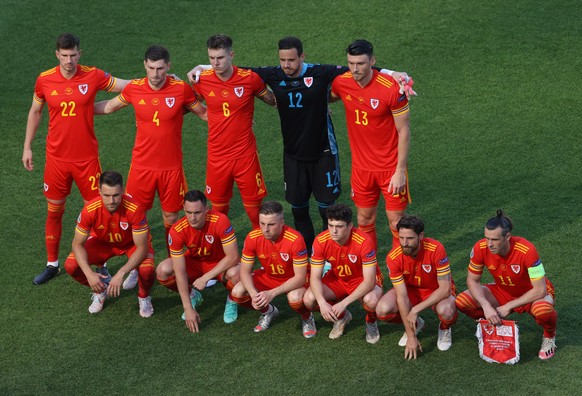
<point x="500" y="220"/>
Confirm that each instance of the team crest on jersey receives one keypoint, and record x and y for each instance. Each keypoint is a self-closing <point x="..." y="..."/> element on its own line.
<point x="79" y="218"/>
<point x="209" y="238"/>
<point x="515" y="268"/>
<point x="427" y="268"/>
<point x="170" y="102"/>
<point x="208" y="189"/>
<point x="224" y="93"/>
<point x="238" y="91"/>
<point x="285" y="256"/>
<point x="83" y="88"/>
<point x="308" y="81"/>
<point x="472" y="253"/>
<point x="169" y="239"/>
<point x="353" y="258"/>
<point x="374" y="103"/>
<point x="45" y="187"/>
<point x="123" y="225"/>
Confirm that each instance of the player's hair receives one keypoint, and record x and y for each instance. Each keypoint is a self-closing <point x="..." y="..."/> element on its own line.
<point x="195" y="196"/>
<point x="271" y="207"/>
<point x="340" y="212"/>
<point x="361" y="47"/>
<point x="219" y="41"/>
<point x="500" y="220"/>
<point x="410" y="222"/>
<point x="111" y="179"/>
<point x="68" y="41"/>
<point x="156" y="53"/>
<point x="291" y="42"/>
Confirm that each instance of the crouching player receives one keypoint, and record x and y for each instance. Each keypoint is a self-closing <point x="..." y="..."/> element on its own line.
<point x="282" y="254"/>
<point x="420" y="273"/>
<point x="354" y="274"/>
<point x="520" y="283"/>
<point x="202" y="247"/>
<point x="112" y="225"/>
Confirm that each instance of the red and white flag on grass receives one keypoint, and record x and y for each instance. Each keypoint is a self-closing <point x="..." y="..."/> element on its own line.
<point x="498" y="344"/>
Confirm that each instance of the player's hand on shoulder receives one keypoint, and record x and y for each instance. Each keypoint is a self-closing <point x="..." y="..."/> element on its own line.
<point x="194" y="74"/>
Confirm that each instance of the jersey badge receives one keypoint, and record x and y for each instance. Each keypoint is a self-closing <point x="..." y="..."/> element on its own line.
<point x="83" y="88"/>
<point x="141" y="102"/>
<point x="208" y="189"/>
<point x="170" y="102"/>
<point x="282" y="84"/>
<point x="472" y="253"/>
<point x="169" y="240"/>
<point x="224" y="93"/>
<point x="262" y="256"/>
<point x="123" y="225"/>
<point x="374" y="103"/>
<point x="209" y="238"/>
<point x="46" y="187"/>
<point x="349" y="97"/>
<point x="515" y="268"/>
<point x="308" y="81"/>
<point x="101" y="227"/>
<point x="295" y="83"/>
<point x="54" y="93"/>
<point x="353" y="258"/>
<point x="79" y="218"/>
<point x="238" y="91"/>
<point x="284" y="256"/>
<point x="69" y="91"/>
<point x="427" y="268"/>
<point x="361" y="100"/>
<point x="155" y="101"/>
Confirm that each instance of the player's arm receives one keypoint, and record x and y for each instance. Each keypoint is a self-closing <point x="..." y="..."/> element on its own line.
<point x="141" y="251"/>
<point x="268" y="97"/>
<point x="93" y="278"/>
<point x="316" y="286"/>
<point x="119" y="85"/>
<point x="398" y="180"/>
<point x="537" y="292"/>
<point x="246" y="277"/>
<point x="230" y="259"/>
<point x="200" y="110"/>
<point x="442" y="292"/>
<point x="194" y="74"/>
<point x="265" y="297"/>
<point x="109" y="106"/>
<point x="192" y="317"/>
<point x="412" y="344"/>
<point x="366" y="286"/>
<point x="32" y="123"/>
<point x="478" y="294"/>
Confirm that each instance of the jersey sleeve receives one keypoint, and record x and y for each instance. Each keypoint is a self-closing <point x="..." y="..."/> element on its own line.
<point x="394" y="264"/>
<point x="398" y="102"/>
<point x="38" y="95"/>
<point x="476" y="262"/>
<point x="368" y="252"/>
<point x="317" y="257"/>
<point x="176" y="242"/>
<point x="84" y="222"/>
<point x="139" y="223"/>
<point x="105" y="81"/>
<point x="225" y="231"/>
<point x="190" y="99"/>
<point x="443" y="267"/>
<point x="259" y="86"/>
<point x="249" y="250"/>
<point x="332" y="71"/>
<point x="300" y="253"/>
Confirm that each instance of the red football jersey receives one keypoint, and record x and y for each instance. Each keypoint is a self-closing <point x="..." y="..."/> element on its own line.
<point x="421" y="271"/>
<point x="159" y="118"/>
<point x="510" y="272"/>
<point x="370" y="115"/>
<point x="205" y="244"/>
<point x="279" y="257"/>
<point x="116" y="228"/>
<point x="71" y="136"/>
<point x="231" y="106"/>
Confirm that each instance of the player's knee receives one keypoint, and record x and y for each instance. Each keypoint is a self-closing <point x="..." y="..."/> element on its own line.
<point x="232" y="274"/>
<point x="165" y="269"/>
<point x="296" y="296"/>
<point x="71" y="264"/>
<point x="386" y="307"/>
<point x="239" y="290"/>
<point x="170" y="217"/>
<point x="447" y="309"/>
<point x="370" y="300"/>
<point x="309" y="300"/>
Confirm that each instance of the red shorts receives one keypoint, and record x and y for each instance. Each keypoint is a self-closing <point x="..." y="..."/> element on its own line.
<point x="342" y="289"/>
<point x="98" y="252"/>
<point x="263" y="281"/>
<point x="171" y="186"/>
<point x="196" y="268"/>
<point x="504" y="297"/>
<point x="367" y="185"/>
<point x="59" y="176"/>
<point x="246" y="172"/>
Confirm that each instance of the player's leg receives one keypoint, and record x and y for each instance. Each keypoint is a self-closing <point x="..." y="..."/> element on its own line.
<point x="297" y="193"/>
<point x="387" y="308"/>
<point x="326" y="182"/>
<point x="395" y="203"/>
<point x="446" y="311"/>
<point x="470" y="307"/>
<point x="171" y="187"/>
<point x="146" y="277"/>
<point x="219" y="184"/>
<point x="370" y="302"/>
<point x="230" y="278"/>
<point x="251" y="184"/>
<point x="366" y="194"/>
<point x="545" y="315"/>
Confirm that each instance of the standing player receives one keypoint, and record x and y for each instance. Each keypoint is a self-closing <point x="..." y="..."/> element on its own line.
<point x="72" y="151"/>
<point x="112" y="225"/>
<point x="420" y="273"/>
<point x="377" y="117"/>
<point x="354" y="274"/>
<point x="230" y="94"/>
<point x="520" y="283"/>
<point x="159" y="102"/>
<point x="202" y="247"/>
<point x="310" y="152"/>
<point x="282" y="254"/>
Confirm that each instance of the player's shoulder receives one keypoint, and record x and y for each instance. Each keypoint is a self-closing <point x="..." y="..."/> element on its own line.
<point x="48" y="73"/>
<point x="175" y="82"/>
<point x="522" y="245"/>
<point x="291" y="234"/>
<point x="213" y="216"/>
<point x="181" y="225"/>
<point x="94" y="204"/>
<point x="430" y="244"/>
<point x="394" y="254"/>
<point x="88" y="69"/>
<point x="385" y="80"/>
<point x="323" y="237"/>
<point x="254" y="234"/>
<point x="138" y="82"/>
<point x="358" y="236"/>
<point x="129" y="204"/>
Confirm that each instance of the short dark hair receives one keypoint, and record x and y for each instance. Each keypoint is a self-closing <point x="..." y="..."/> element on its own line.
<point x="361" y="47"/>
<point x="219" y="41"/>
<point x="156" y="53"/>
<point x="271" y="207"/>
<point x="68" y="41"/>
<point x="291" y="42"/>
<point x="411" y="223"/>
<point x="111" y="178"/>
<point x="340" y="212"/>
<point x="195" y="196"/>
<point x="500" y="220"/>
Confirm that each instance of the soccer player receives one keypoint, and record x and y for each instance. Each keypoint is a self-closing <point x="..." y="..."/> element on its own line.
<point x="310" y="152"/>
<point x="421" y="275"/>
<point x="229" y="93"/>
<point x="159" y="102"/>
<point x="202" y="247"/>
<point x="520" y="282"/>
<point x="72" y="151"/>
<point x="282" y="254"/>
<point x="354" y="274"/>
<point x="377" y="118"/>
<point x="112" y="224"/>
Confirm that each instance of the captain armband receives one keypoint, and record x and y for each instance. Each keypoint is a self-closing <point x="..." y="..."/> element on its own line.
<point x="536" y="272"/>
